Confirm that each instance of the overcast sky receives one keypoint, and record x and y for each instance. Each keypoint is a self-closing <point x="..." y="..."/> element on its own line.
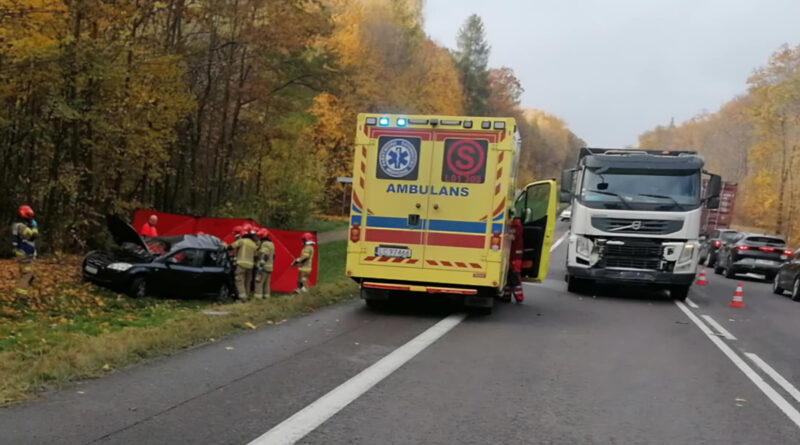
<point x="615" y="68"/>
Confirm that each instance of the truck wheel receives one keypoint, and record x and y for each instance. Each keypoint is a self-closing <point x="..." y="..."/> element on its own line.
<point x="679" y="292"/>
<point x="575" y="285"/>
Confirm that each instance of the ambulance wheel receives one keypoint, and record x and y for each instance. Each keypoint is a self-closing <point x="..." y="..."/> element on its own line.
<point x="377" y="305"/>
<point x="481" y="311"/>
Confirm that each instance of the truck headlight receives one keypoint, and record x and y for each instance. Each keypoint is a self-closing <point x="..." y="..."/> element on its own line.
<point x="583" y="246"/>
<point x="120" y="267"/>
<point x="686" y="253"/>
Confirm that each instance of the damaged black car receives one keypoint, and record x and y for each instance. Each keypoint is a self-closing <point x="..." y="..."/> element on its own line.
<point x="176" y="266"/>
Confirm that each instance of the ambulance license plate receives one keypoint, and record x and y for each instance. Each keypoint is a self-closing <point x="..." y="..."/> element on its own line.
<point x="91" y="270"/>
<point x="393" y="252"/>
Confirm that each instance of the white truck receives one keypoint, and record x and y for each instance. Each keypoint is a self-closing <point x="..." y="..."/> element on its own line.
<point x="636" y="217"/>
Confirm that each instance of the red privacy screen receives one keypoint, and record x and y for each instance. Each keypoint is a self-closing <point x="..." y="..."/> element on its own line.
<point x="287" y="243"/>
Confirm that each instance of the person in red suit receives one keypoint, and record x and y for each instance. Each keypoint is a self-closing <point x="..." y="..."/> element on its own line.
<point x="514" y="285"/>
<point x="149" y="228"/>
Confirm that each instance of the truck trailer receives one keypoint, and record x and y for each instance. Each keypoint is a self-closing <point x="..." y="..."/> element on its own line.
<point x="636" y="217"/>
<point x="432" y="200"/>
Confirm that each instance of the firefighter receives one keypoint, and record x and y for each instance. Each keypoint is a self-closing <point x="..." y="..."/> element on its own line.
<point x="23" y="242"/>
<point x="149" y="228"/>
<point x="305" y="261"/>
<point x="244" y="248"/>
<point x="266" y="256"/>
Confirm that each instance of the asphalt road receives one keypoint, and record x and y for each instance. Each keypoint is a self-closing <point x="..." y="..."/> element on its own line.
<point x="616" y="366"/>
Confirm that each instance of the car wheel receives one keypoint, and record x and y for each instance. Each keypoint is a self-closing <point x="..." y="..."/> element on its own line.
<point x="718" y="268"/>
<point x="796" y="290"/>
<point x="138" y="287"/>
<point x="729" y="272"/>
<point x="776" y="285"/>
<point x="224" y="294"/>
<point x="709" y="260"/>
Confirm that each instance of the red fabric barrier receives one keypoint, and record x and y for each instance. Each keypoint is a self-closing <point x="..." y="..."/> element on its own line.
<point x="287" y="243"/>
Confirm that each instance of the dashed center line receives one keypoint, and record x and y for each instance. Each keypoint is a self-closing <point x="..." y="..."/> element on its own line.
<point x="718" y="327"/>
<point x="770" y="371"/>
<point x="749" y="372"/>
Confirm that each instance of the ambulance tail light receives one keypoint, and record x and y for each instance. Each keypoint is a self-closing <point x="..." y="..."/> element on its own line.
<point x="494" y="244"/>
<point x="355" y="233"/>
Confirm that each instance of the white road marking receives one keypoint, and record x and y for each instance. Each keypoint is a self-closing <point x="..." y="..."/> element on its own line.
<point x="769" y="391"/>
<point x="692" y="304"/>
<point x="309" y="418"/>
<point x="788" y="387"/>
<point x="559" y="241"/>
<point x="718" y="327"/>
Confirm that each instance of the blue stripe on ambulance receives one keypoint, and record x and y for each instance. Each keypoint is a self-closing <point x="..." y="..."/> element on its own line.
<point x="355" y="219"/>
<point x="439" y="225"/>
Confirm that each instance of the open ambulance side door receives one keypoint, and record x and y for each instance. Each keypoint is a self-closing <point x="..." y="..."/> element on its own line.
<point x="536" y="207"/>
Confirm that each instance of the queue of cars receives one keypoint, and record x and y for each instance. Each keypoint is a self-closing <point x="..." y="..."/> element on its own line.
<point x="731" y="253"/>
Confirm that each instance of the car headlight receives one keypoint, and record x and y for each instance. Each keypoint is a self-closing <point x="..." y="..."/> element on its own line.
<point x="583" y="246"/>
<point x="687" y="253"/>
<point x="120" y="267"/>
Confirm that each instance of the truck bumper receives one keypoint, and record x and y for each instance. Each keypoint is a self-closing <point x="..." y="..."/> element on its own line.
<point x="641" y="277"/>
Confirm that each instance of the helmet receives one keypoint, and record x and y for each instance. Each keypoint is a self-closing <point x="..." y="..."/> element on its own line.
<point x="263" y="233"/>
<point x="307" y="237"/>
<point x="26" y="212"/>
<point x="236" y="229"/>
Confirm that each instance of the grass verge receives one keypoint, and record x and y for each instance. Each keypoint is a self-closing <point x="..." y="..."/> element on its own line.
<point x="50" y="347"/>
<point x="322" y="224"/>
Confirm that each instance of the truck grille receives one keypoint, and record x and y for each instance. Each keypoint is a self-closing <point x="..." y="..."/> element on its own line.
<point x="643" y="226"/>
<point x="634" y="254"/>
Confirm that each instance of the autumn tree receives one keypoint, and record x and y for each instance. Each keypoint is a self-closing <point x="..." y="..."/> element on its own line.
<point x="472" y="59"/>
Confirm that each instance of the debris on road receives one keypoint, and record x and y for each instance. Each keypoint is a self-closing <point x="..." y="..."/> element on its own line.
<point x="212" y="312"/>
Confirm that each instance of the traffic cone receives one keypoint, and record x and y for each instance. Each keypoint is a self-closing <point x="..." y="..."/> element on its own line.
<point x="738" y="297"/>
<point x="701" y="280"/>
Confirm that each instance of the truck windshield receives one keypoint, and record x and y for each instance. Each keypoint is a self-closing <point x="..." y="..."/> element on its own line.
<point x="665" y="190"/>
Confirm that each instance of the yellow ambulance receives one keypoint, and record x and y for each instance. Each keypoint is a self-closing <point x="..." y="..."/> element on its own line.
<point x="432" y="201"/>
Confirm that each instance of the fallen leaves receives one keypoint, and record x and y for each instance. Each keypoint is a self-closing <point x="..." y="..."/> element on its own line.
<point x="58" y="287"/>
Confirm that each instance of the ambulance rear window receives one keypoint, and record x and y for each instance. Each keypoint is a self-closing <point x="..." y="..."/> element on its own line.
<point x="465" y="160"/>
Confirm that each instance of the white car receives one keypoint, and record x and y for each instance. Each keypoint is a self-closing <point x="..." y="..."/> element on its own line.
<point x="566" y="214"/>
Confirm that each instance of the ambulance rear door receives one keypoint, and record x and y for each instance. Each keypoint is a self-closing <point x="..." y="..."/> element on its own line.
<point x="394" y="210"/>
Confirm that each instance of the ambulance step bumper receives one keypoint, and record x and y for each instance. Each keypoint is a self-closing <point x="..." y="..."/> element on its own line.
<point x="419" y="288"/>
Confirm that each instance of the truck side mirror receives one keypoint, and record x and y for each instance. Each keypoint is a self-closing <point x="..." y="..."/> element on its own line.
<point x="713" y="189"/>
<point x="565" y="192"/>
<point x="567" y="176"/>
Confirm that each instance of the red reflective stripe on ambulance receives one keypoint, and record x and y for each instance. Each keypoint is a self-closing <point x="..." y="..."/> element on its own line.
<point x="393" y="236"/>
<point x="454" y="240"/>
